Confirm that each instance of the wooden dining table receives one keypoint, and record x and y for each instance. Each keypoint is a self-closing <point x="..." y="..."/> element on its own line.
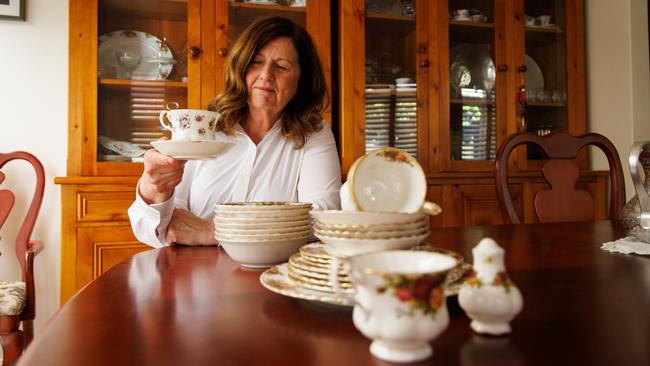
<point x="196" y="306"/>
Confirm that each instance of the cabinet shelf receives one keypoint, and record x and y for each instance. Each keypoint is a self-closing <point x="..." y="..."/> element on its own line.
<point x="131" y="83"/>
<point x="553" y="30"/>
<point x="551" y="105"/>
<point x="468" y="24"/>
<point x="472" y="101"/>
<point x="164" y="9"/>
<point x="382" y="25"/>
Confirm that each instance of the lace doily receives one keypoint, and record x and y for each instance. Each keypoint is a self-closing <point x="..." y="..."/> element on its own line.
<point x="627" y="245"/>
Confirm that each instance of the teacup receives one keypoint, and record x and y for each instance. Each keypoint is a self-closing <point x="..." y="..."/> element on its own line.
<point x="190" y="124"/>
<point x="399" y="301"/>
<point x="544" y="20"/>
<point x="460" y="13"/>
<point x="387" y="180"/>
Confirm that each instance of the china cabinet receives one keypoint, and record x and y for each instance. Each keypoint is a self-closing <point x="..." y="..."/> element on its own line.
<point x="129" y="59"/>
<point x="447" y="81"/>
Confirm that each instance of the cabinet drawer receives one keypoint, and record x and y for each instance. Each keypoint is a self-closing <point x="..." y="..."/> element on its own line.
<point x="103" y="206"/>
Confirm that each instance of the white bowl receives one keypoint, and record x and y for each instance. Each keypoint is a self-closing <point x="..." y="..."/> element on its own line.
<point x="338" y="217"/>
<point x="262" y="254"/>
<point x="262" y="237"/>
<point x="248" y="220"/>
<point x="344" y="247"/>
<point x="370" y="228"/>
<point x="249" y="231"/>
<point x="263" y="206"/>
<point x="387" y="179"/>
<point x="259" y="224"/>
<point x="371" y="234"/>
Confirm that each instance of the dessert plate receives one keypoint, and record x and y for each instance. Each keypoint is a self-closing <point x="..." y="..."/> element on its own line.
<point x="143" y="44"/>
<point x="192" y="150"/>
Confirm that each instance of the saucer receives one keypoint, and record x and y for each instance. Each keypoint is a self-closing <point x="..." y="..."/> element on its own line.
<point x="192" y="150"/>
<point x="276" y="279"/>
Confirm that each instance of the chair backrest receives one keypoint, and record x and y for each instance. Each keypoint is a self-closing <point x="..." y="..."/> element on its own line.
<point x="562" y="202"/>
<point x="7" y="200"/>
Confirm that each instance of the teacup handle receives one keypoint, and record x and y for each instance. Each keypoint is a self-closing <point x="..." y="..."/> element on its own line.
<point x="430" y="208"/>
<point x="164" y="121"/>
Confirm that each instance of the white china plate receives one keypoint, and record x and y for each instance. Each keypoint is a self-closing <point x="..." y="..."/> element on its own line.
<point x="144" y="44"/>
<point x="263" y="2"/>
<point x="343" y="247"/>
<point x="192" y="150"/>
<point x="123" y="148"/>
<point x="276" y="279"/>
<point x="534" y="76"/>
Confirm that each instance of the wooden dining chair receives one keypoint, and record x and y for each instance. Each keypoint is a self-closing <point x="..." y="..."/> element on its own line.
<point x="17" y="298"/>
<point x="562" y="202"/>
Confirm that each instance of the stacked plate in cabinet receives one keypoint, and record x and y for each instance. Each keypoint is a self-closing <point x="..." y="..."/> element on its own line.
<point x="261" y="234"/>
<point x="406" y="122"/>
<point x="378" y="115"/>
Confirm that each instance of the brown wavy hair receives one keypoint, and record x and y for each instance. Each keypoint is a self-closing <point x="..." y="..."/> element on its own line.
<point x="302" y="115"/>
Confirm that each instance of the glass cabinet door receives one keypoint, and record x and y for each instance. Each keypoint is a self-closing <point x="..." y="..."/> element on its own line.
<point x="142" y="68"/>
<point x="545" y="68"/>
<point x="472" y="80"/>
<point x="391" y="68"/>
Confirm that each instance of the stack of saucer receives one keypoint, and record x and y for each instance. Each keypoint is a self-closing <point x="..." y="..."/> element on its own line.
<point x="310" y="268"/>
<point x="346" y="233"/>
<point x="261" y="234"/>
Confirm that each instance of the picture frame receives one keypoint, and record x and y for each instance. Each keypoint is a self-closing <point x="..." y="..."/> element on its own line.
<point x="12" y="9"/>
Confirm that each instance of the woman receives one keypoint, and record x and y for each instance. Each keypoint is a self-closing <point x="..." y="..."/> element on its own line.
<point x="271" y="109"/>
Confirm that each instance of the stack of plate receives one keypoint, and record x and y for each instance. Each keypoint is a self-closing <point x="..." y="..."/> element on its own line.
<point x="261" y="234"/>
<point x="306" y="276"/>
<point x="346" y="233"/>
<point x="406" y="123"/>
<point x="378" y="105"/>
<point x="310" y="268"/>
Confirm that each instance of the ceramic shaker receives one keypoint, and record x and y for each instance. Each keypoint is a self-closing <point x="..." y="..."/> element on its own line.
<point x="488" y="296"/>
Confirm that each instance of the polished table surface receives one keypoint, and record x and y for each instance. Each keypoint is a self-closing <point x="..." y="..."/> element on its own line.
<point x="195" y="306"/>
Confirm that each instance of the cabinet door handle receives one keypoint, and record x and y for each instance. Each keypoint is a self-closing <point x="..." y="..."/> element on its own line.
<point x="522" y="68"/>
<point x="223" y="52"/>
<point x="503" y="68"/>
<point x="424" y="63"/>
<point x="195" y="52"/>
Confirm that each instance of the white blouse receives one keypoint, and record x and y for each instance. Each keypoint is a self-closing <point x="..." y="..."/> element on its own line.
<point x="273" y="170"/>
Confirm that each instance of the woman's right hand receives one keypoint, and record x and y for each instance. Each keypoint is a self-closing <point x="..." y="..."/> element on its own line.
<point x="161" y="175"/>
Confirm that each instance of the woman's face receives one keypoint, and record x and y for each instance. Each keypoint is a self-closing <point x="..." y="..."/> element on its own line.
<point x="272" y="76"/>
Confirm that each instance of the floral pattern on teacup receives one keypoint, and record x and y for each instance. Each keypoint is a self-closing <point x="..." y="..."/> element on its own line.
<point x="397" y="156"/>
<point x="185" y="121"/>
<point x="423" y="293"/>
<point x="198" y="118"/>
<point x="501" y="279"/>
<point x="201" y="131"/>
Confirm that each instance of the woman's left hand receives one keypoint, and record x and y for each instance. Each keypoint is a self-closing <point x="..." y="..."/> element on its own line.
<point x="189" y="229"/>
